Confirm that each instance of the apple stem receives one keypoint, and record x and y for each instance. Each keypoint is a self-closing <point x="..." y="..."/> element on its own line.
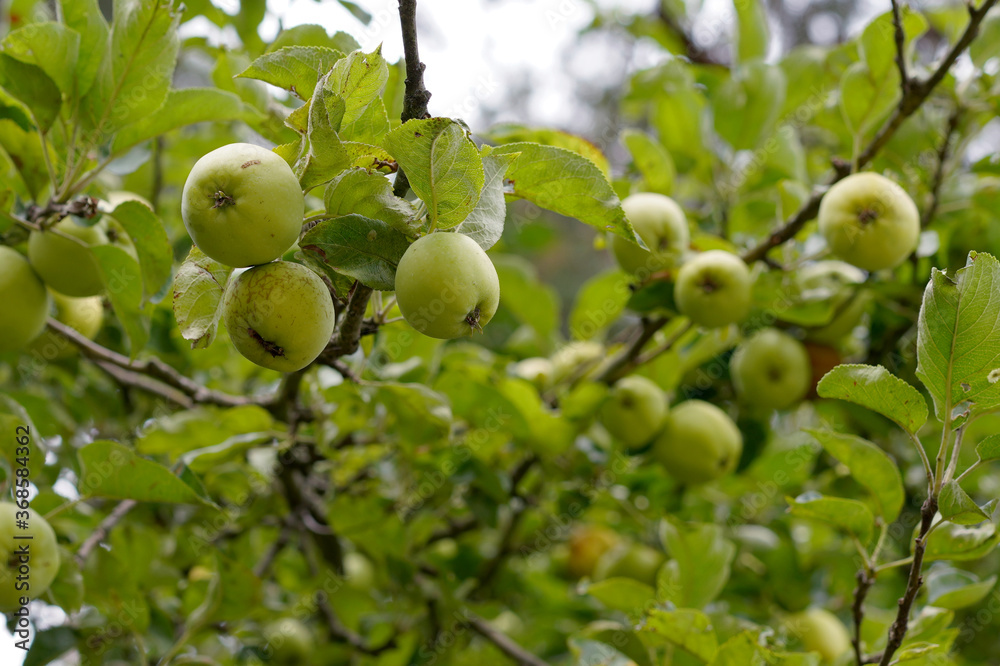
<point x="222" y="200"/>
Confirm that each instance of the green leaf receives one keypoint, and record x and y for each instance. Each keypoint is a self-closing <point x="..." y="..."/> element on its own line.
<point x="50" y="46"/>
<point x="113" y="471"/>
<point x="703" y="556"/>
<point x="742" y="650"/>
<point x="599" y="302"/>
<point x="123" y="285"/>
<point x="877" y="389"/>
<point x="621" y="638"/>
<point x="296" y="69"/>
<point x="369" y="194"/>
<point x="958" y="338"/>
<point x="443" y="166"/>
<point x="623" y="594"/>
<point x="485" y="223"/>
<point x="850" y="516"/>
<point x="50" y="644"/>
<point x="878" y="41"/>
<point x="367" y="250"/>
<point x="987" y="42"/>
<point x="528" y="299"/>
<point x="33" y="88"/>
<point x="146" y="231"/>
<point x="137" y="66"/>
<point x="752" y="34"/>
<point x="958" y="542"/>
<point x="198" y="290"/>
<point x="652" y="161"/>
<point x="690" y="630"/>
<point x="870" y="466"/>
<point x="25" y="151"/>
<point x="203" y="431"/>
<point x="513" y="133"/>
<point x="956" y="505"/>
<point x="955" y="588"/>
<point x="85" y="17"/>
<point x="866" y="98"/>
<point x="183" y="107"/>
<point x="989" y="448"/>
<point x="326" y="156"/>
<point x="360" y="79"/>
<point x="748" y="104"/>
<point x="559" y="180"/>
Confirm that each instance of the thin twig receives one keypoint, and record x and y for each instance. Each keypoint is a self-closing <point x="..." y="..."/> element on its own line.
<point x="627" y="359"/>
<point x="866" y="579"/>
<point x="505" y="644"/>
<point x="937" y="179"/>
<point x="99" y="534"/>
<point x="897" y="632"/>
<point x="156" y="369"/>
<point x="900" y="36"/>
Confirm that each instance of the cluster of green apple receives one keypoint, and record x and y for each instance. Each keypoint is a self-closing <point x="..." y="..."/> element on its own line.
<point x="867" y="220"/>
<point x="61" y="278"/>
<point x="43" y="562"/>
<point x="243" y="207"/>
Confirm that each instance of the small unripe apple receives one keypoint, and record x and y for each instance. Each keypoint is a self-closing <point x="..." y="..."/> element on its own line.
<point x="83" y="315"/>
<point x="67" y="265"/>
<point x="446" y="286"/>
<point x="587" y="543"/>
<point x="699" y="443"/>
<point x="24" y="301"/>
<point x="42" y="564"/>
<point x="661" y="225"/>
<point x="242" y="205"/>
<point x="869" y="221"/>
<point x="289" y="641"/>
<point x="632" y="560"/>
<point x="713" y="289"/>
<point x="822" y="632"/>
<point x="771" y="370"/>
<point x="634" y="410"/>
<point x="279" y="315"/>
<point x="359" y="573"/>
<point x="118" y="197"/>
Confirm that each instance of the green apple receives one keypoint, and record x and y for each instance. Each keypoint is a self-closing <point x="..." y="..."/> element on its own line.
<point x="771" y="369"/>
<point x="64" y="260"/>
<point x="289" y="641"/>
<point x="699" y="443"/>
<point x="242" y="205"/>
<point x="587" y="543"/>
<point x="869" y="221"/>
<point x="83" y="315"/>
<point x="713" y="289"/>
<point x="446" y="286"/>
<point x="359" y="573"/>
<point x="24" y="299"/>
<point x="822" y="632"/>
<point x="279" y="315"/>
<point x="661" y="225"/>
<point x="634" y="410"/>
<point x="631" y="560"/>
<point x="41" y="562"/>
